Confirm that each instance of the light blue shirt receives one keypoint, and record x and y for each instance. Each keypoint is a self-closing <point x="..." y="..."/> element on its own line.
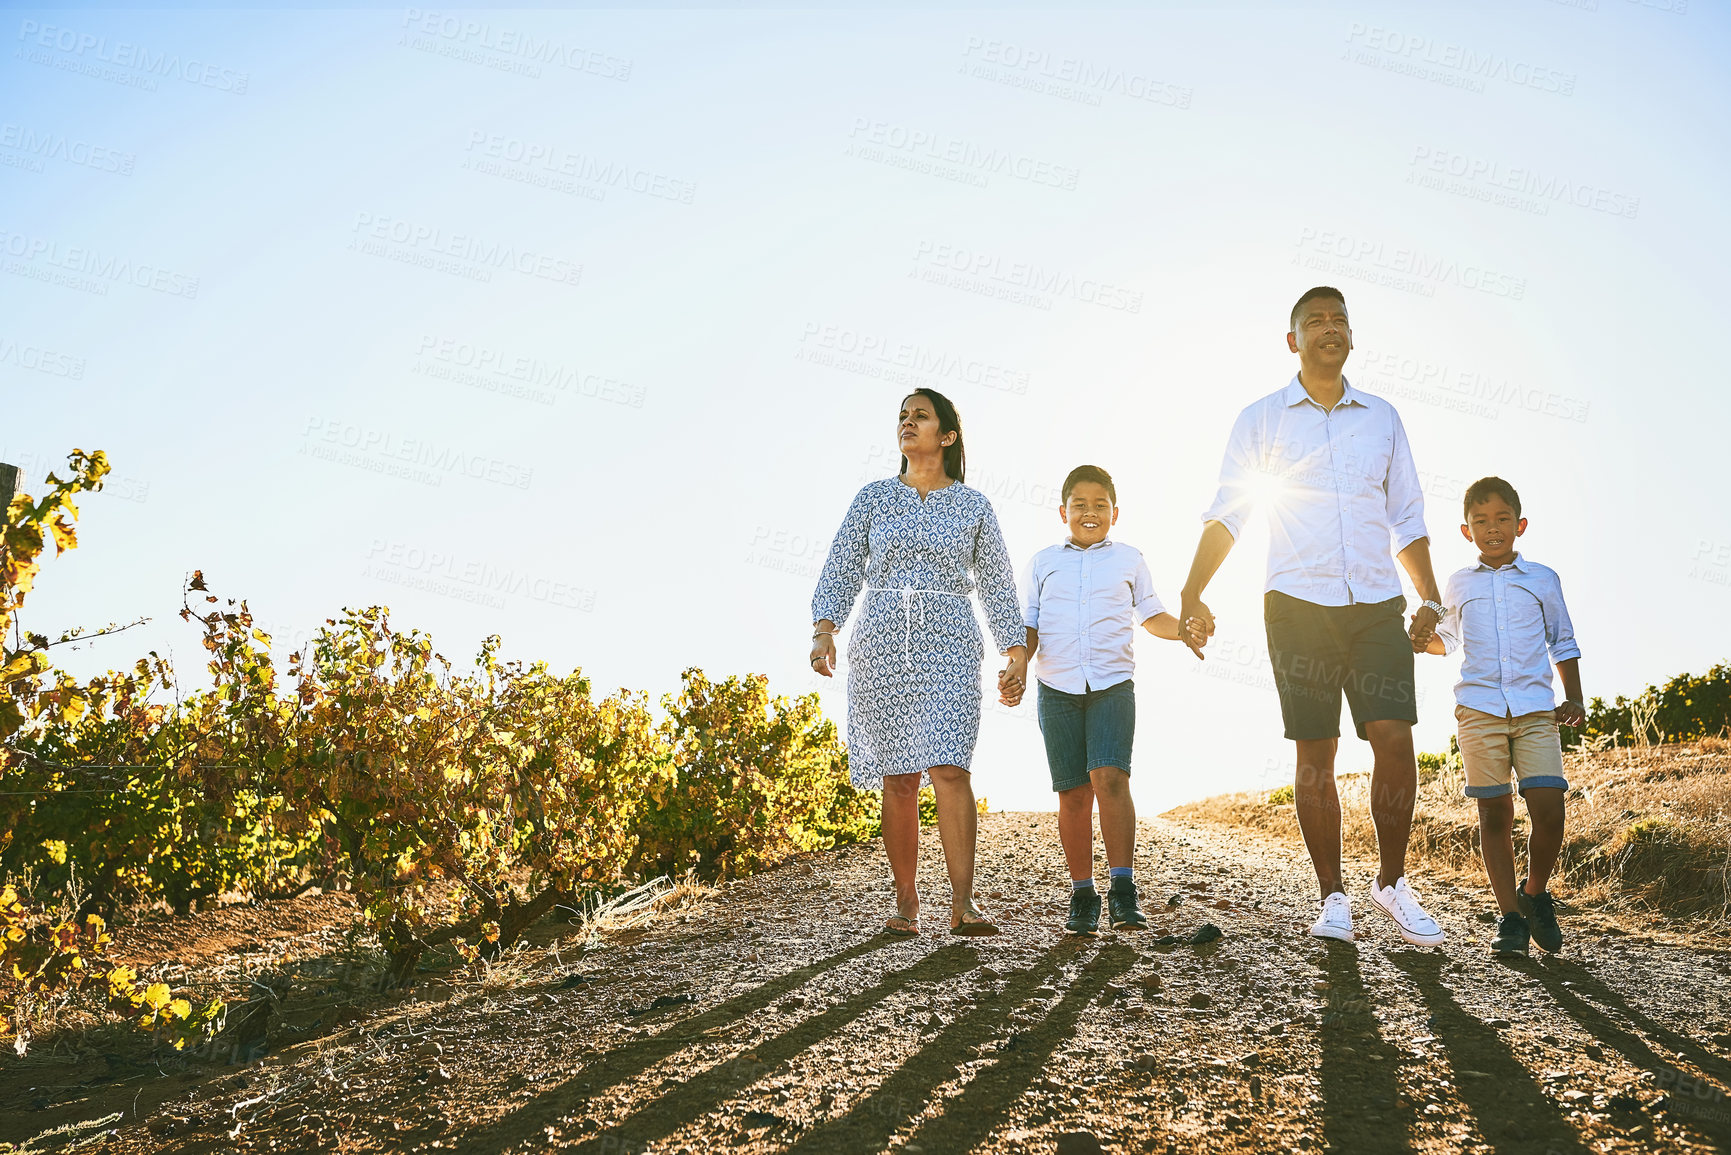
<point x="1338" y="484"/>
<point x="1087" y="602"/>
<point x="1513" y="625"/>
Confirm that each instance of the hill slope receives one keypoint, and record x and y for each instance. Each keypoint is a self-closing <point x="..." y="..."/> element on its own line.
<point x="786" y="1025"/>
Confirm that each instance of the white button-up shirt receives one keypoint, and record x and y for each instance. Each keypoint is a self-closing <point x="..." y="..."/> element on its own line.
<point x="1087" y="602"/>
<point x="1507" y="620"/>
<point x="1338" y="484"/>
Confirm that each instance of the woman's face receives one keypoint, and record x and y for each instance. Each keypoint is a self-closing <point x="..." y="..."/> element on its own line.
<point x="917" y="431"/>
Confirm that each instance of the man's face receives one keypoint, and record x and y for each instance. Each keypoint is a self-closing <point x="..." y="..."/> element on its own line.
<point x="1321" y="338"/>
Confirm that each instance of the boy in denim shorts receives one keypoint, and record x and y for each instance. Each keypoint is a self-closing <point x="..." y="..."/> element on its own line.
<point x="1085" y="598"/>
<point x="1507" y="614"/>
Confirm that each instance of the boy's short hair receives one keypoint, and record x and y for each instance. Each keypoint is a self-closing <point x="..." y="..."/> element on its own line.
<point x="1488" y="487"/>
<point x="1089" y="473"/>
<point x="1311" y="295"/>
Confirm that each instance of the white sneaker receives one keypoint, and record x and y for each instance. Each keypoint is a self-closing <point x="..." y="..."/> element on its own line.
<point x="1335" y="921"/>
<point x="1401" y="905"/>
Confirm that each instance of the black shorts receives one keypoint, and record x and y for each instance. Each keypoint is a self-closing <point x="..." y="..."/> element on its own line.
<point x="1319" y="651"/>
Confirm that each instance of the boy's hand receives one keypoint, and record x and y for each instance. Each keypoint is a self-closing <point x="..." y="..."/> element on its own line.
<point x="1424" y="622"/>
<point x="1198" y="623"/>
<point x="1571" y="713"/>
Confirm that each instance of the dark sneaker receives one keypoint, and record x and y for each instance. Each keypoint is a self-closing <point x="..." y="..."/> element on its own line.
<point x="1541" y="912"/>
<point x="1512" y="934"/>
<point x="1121" y="901"/>
<point x="1084" y="911"/>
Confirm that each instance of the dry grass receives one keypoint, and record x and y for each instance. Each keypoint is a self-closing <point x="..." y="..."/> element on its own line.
<point x="1649" y="829"/>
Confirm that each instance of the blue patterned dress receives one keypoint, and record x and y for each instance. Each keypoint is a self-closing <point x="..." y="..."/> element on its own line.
<point x="914" y="654"/>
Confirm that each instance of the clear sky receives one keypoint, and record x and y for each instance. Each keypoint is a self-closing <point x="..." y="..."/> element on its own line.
<point x="583" y="327"/>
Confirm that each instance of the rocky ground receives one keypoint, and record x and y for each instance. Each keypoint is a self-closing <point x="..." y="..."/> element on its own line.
<point x="769" y="1016"/>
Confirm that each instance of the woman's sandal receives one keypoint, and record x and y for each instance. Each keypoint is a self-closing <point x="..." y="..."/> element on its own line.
<point x="974" y="924"/>
<point x="908" y="928"/>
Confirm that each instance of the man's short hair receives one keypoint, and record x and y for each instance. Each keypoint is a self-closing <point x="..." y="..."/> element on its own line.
<point x="1311" y="295"/>
<point x="1488" y="487"/>
<point x="1089" y="473"/>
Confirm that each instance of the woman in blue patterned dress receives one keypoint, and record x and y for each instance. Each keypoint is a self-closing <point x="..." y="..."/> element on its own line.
<point x="917" y="544"/>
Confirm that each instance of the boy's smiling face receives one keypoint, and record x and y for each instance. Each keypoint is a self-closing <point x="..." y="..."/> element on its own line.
<point x="1089" y="513"/>
<point x="1493" y="527"/>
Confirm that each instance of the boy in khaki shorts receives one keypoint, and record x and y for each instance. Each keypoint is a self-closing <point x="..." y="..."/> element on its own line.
<point x="1508" y="616"/>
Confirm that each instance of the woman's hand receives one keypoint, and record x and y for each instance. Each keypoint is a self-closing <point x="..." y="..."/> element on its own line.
<point x="1012" y="681"/>
<point x="823" y="654"/>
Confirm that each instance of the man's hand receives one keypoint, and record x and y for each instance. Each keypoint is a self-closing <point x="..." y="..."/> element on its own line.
<point x="1424" y="622"/>
<point x="1196" y="623"/>
<point x="1571" y="713"/>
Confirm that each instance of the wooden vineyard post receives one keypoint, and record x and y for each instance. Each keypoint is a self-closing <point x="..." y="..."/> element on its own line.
<point x="11" y="480"/>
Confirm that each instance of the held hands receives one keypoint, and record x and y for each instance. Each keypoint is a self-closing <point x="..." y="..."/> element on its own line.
<point x="1012" y="680"/>
<point x="1423" y="627"/>
<point x="1196" y="624"/>
<point x="1570" y="713"/>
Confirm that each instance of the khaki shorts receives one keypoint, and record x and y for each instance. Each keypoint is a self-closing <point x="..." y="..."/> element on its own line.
<point x="1489" y="745"/>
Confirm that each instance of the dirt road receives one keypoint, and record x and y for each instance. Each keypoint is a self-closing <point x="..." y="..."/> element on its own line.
<point x="785" y="1024"/>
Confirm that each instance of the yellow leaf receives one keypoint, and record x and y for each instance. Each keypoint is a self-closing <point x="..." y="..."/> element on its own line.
<point x="156" y="996"/>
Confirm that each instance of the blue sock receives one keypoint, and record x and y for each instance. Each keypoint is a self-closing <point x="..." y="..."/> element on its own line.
<point x="1081" y="884"/>
<point x="1127" y="873"/>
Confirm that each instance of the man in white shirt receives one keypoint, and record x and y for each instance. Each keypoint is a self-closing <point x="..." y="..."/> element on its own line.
<point x="1332" y="467"/>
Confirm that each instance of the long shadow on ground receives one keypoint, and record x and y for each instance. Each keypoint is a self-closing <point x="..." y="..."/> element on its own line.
<point x="971" y="1116"/>
<point x="868" y="1125"/>
<point x="1353" y="1085"/>
<point x="1513" y="1112"/>
<point x="696" y="1096"/>
<point x="1691" y="1101"/>
<point x="627" y="1062"/>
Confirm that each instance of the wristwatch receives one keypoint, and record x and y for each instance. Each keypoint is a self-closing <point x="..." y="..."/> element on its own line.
<point x="1433" y="607"/>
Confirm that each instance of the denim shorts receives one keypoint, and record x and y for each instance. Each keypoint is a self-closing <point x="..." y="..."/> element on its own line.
<point x="1086" y="731"/>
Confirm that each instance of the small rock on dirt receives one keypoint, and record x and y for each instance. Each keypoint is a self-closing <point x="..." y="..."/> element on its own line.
<point x="1079" y="1143"/>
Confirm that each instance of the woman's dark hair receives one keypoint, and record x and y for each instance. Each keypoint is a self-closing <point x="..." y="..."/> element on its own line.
<point x="949" y="421"/>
